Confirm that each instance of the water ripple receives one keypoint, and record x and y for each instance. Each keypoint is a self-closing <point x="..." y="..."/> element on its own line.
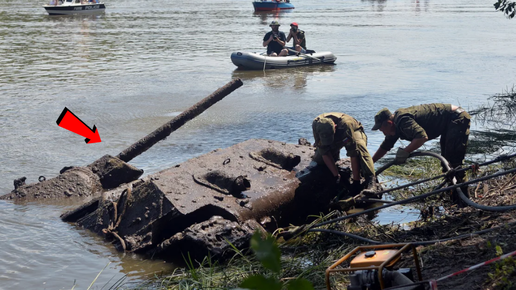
<point x="130" y="70"/>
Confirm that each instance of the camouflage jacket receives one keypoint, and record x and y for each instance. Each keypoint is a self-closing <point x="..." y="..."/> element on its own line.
<point x="429" y="120"/>
<point x="346" y="125"/>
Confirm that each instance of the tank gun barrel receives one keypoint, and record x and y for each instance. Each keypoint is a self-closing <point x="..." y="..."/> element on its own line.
<point x="109" y="172"/>
<point x="162" y="132"/>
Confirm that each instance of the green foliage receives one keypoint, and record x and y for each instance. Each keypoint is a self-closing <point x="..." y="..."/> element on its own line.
<point x="506" y="7"/>
<point x="502" y="271"/>
<point x="416" y="168"/>
<point x="299" y="283"/>
<point x="268" y="254"/>
<point x="498" y="116"/>
<point x="260" y="282"/>
<point x="499" y="250"/>
<point x="191" y="267"/>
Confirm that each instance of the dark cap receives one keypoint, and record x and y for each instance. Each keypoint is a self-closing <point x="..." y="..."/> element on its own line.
<point x="274" y="22"/>
<point x="380" y="117"/>
<point x="325" y="128"/>
<point x="294" y="24"/>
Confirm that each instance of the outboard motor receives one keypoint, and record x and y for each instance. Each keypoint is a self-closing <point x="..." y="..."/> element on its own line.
<point x="365" y="268"/>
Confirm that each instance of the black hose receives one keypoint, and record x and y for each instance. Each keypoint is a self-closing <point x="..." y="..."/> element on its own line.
<point x="454" y="186"/>
<point x="444" y="162"/>
<point x="440" y="185"/>
<point x="462" y="196"/>
<point x="483" y="207"/>
<point x="346" y="234"/>
<point x="414" y="198"/>
<point x="383" y="168"/>
<point x="498" y="159"/>
<point x="421" y="243"/>
<point x="376" y="200"/>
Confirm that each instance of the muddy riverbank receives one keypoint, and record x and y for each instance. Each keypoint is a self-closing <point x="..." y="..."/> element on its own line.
<point x="463" y="237"/>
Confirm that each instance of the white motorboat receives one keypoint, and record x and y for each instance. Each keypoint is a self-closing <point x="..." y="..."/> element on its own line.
<point x="71" y="7"/>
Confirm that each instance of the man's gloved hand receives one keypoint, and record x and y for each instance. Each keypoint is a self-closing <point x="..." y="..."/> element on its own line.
<point x="401" y="156"/>
<point x="355" y="188"/>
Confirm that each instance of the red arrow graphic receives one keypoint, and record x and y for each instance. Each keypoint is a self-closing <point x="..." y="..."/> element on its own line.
<point x="70" y="122"/>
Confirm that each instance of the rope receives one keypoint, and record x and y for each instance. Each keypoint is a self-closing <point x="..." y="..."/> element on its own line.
<point x="115" y="222"/>
<point x="477" y="266"/>
<point x="433" y="282"/>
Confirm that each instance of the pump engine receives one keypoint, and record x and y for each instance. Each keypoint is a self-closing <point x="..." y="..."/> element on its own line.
<point x="376" y="269"/>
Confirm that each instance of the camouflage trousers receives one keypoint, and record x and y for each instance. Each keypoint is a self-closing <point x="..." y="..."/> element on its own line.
<point x="454" y="141"/>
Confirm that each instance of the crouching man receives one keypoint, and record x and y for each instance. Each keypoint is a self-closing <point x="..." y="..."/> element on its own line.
<point x="332" y="131"/>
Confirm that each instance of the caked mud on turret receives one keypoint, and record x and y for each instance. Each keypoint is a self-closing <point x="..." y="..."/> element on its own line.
<point x="77" y="182"/>
<point x="205" y="203"/>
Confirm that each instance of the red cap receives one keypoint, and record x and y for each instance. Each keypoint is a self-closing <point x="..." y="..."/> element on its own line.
<point x="293" y="24"/>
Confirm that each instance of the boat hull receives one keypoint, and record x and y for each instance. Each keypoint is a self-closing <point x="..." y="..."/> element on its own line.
<point x="271" y="5"/>
<point x="75" y="9"/>
<point x="257" y="61"/>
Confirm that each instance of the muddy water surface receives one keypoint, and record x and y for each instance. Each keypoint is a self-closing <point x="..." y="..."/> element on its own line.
<point x="137" y="66"/>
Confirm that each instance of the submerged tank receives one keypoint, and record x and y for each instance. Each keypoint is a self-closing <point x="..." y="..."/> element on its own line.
<point x="204" y="204"/>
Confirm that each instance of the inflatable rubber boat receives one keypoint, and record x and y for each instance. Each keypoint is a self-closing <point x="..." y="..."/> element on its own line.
<point x="255" y="60"/>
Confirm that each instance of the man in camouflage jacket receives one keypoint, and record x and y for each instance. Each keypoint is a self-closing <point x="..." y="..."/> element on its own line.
<point x="421" y="123"/>
<point x="332" y="131"/>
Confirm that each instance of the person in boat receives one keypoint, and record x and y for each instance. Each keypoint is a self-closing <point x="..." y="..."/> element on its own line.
<point x="332" y="131"/>
<point x="421" y="123"/>
<point x="299" y="41"/>
<point x="274" y="40"/>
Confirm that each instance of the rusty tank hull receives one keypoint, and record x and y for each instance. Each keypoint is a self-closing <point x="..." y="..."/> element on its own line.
<point x="201" y="205"/>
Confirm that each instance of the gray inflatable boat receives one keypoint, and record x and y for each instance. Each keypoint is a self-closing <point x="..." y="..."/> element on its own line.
<point x="255" y="60"/>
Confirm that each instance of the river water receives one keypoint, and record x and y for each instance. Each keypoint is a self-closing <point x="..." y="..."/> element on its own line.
<point x="137" y="66"/>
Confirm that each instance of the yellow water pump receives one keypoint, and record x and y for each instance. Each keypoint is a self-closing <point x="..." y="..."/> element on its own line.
<point x="374" y="267"/>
